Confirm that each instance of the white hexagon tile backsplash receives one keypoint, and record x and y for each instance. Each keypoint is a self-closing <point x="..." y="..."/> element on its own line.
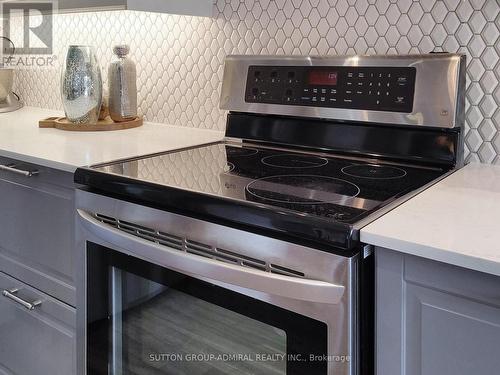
<point x="180" y="59"/>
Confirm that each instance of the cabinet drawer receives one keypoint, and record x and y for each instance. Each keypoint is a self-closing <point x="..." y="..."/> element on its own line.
<point x="38" y="341"/>
<point x="37" y="228"/>
<point x="33" y="175"/>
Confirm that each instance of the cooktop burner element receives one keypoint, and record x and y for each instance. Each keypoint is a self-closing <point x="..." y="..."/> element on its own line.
<point x="294" y="161"/>
<point x="241" y="151"/>
<point x="303" y="189"/>
<point x="380" y="172"/>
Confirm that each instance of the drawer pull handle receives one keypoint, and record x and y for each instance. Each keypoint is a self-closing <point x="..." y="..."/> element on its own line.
<point x="11" y="294"/>
<point x="10" y="168"/>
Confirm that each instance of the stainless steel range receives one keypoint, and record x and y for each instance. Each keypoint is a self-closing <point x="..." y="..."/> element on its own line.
<point x="243" y="256"/>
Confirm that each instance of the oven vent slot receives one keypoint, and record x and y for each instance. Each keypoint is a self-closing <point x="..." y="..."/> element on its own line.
<point x="286" y="271"/>
<point x="243" y="259"/>
<point x="106" y="219"/>
<point x="196" y="248"/>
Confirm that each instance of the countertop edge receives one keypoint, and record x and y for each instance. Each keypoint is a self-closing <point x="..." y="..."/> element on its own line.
<point x="432" y="253"/>
<point x="40" y="161"/>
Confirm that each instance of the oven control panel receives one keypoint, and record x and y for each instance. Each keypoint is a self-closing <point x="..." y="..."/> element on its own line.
<point x="365" y="88"/>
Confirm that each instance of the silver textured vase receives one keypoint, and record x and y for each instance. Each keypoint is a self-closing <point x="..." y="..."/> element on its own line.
<point x="81" y="85"/>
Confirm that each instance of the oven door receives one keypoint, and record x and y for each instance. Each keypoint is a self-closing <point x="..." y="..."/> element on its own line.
<point x="150" y="308"/>
<point x="149" y="320"/>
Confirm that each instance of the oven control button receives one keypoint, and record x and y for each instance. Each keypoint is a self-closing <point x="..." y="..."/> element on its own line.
<point x="402" y="81"/>
<point x="275" y="77"/>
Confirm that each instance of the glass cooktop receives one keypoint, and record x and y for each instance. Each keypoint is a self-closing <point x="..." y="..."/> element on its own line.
<point x="335" y="189"/>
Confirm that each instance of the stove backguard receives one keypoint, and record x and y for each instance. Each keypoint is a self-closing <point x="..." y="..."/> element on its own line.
<point x="406" y="90"/>
<point x="405" y="108"/>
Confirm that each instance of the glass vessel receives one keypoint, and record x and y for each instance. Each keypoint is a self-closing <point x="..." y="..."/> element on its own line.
<point x="122" y="86"/>
<point x="81" y="85"/>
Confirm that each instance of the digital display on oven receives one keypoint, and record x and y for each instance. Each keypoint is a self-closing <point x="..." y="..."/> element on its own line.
<point x="323" y="78"/>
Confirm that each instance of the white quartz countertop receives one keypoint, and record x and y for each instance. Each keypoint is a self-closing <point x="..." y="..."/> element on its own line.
<point x="456" y="221"/>
<point x="21" y="139"/>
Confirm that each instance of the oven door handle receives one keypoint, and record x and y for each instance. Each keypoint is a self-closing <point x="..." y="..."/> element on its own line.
<point x="178" y="260"/>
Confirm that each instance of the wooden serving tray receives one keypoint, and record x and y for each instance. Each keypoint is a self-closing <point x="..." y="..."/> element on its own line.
<point x="62" y="123"/>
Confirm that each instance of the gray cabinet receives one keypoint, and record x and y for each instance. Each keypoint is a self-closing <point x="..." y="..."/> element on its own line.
<point x="433" y="318"/>
<point x="40" y="341"/>
<point x="187" y="7"/>
<point x="37" y="228"/>
<point x="37" y="288"/>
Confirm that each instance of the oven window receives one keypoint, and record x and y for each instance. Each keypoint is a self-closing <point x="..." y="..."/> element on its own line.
<point x="172" y="332"/>
<point x="148" y="320"/>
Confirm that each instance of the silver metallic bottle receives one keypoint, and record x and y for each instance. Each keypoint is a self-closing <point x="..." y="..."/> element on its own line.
<point x="122" y="78"/>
